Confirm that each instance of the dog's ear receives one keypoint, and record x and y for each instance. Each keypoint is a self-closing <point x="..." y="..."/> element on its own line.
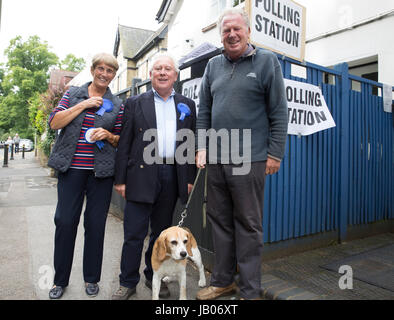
<point x="191" y="243"/>
<point x="162" y="247"/>
<point x="159" y="251"/>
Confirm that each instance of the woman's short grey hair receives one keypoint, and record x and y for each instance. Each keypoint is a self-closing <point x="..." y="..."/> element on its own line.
<point x="164" y="55"/>
<point x="106" y="58"/>
<point x="233" y="11"/>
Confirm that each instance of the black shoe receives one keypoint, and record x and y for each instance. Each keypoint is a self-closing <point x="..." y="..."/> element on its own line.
<point x="56" y="292"/>
<point x="123" y="293"/>
<point x="164" y="292"/>
<point x="91" y="289"/>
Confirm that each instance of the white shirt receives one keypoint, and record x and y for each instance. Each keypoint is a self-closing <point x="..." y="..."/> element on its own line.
<point x="166" y="124"/>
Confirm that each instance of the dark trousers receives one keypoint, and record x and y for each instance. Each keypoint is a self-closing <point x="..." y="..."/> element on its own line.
<point x="235" y="209"/>
<point x="72" y="187"/>
<point x="136" y="224"/>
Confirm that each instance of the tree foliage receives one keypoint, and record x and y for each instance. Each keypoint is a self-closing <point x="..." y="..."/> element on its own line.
<point x="72" y="63"/>
<point x="25" y="75"/>
<point x="40" y="106"/>
<point x="1" y="80"/>
<point x="25" y="101"/>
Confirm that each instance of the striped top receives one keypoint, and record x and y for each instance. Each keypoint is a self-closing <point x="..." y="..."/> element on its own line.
<point x="84" y="153"/>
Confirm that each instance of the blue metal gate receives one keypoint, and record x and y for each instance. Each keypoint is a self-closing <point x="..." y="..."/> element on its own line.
<point x="330" y="180"/>
<point x="339" y="177"/>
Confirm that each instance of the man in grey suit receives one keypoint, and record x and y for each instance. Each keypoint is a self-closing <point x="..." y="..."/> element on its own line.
<point x="241" y="89"/>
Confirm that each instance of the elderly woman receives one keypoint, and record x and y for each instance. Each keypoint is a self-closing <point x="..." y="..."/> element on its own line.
<point x="90" y="119"/>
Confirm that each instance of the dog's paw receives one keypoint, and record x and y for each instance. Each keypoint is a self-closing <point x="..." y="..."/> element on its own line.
<point x="167" y="279"/>
<point x="202" y="283"/>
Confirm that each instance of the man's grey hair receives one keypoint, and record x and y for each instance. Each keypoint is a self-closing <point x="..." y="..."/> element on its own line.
<point x="164" y="55"/>
<point x="232" y="11"/>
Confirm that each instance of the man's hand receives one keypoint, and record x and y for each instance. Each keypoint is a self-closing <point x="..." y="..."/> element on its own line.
<point x="189" y="188"/>
<point x="201" y="159"/>
<point x="121" y="189"/>
<point x="272" y="166"/>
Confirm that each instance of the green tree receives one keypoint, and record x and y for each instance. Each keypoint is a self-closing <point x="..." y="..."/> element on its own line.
<point x="40" y="106"/>
<point x="1" y="79"/>
<point x="2" y="131"/>
<point x="72" y="63"/>
<point x="26" y="74"/>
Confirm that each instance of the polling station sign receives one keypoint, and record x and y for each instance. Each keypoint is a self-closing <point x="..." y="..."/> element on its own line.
<point x="278" y="25"/>
<point x="307" y="109"/>
<point x="191" y="90"/>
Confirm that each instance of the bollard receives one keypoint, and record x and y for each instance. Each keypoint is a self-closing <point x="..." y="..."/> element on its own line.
<point x="23" y="152"/>
<point x="12" y="152"/>
<point x="5" y="163"/>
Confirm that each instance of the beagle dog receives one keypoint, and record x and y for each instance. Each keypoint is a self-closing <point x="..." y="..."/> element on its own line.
<point x="169" y="257"/>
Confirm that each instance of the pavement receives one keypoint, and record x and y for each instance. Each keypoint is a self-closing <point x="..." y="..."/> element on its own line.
<point x="28" y="199"/>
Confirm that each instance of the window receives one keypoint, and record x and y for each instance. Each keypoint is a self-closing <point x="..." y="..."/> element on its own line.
<point x="215" y="9"/>
<point x="237" y="2"/>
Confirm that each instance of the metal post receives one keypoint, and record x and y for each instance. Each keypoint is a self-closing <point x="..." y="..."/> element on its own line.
<point x="5" y="163"/>
<point x="35" y="143"/>
<point x="134" y="89"/>
<point x="23" y="152"/>
<point x="344" y="125"/>
<point x="12" y="152"/>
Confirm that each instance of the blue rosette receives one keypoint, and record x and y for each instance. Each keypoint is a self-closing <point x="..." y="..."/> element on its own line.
<point x="107" y="106"/>
<point x="184" y="110"/>
<point x="88" y="134"/>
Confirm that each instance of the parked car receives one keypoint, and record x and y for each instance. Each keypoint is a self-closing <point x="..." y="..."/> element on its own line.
<point x="29" y="146"/>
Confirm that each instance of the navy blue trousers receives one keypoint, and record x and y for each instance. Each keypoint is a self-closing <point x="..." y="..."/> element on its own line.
<point x="136" y="224"/>
<point x="72" y="188"/>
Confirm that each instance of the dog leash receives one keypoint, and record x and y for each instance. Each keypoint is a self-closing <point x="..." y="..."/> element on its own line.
<point x="204" y="205"/>
<point x="184" y="212"/>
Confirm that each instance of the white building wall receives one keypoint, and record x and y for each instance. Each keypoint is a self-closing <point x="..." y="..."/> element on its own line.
<point x="324" y="16"/>
<point x="372" y="42"/>
<point x="357" y="44"/>
<point x="120" y="80"/>
<point x="365" y="44"/>
<point x="189" y="19"/>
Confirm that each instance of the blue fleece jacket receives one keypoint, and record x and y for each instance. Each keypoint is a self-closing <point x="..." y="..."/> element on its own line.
<point x="246" y="94"/>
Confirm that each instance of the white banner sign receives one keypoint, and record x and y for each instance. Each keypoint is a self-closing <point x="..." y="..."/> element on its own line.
<point x="387" y="98"/>
<point x="278" y="25"/>
<point x="191" y="89"/>
<point x="307" y="109"/>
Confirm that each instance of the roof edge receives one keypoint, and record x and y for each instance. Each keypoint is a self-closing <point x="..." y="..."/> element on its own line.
<point x="161" y="14"/>
<point x="160" y="34"/>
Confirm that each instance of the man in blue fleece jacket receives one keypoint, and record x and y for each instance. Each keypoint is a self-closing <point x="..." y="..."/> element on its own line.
<point x="241" y="89"/>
